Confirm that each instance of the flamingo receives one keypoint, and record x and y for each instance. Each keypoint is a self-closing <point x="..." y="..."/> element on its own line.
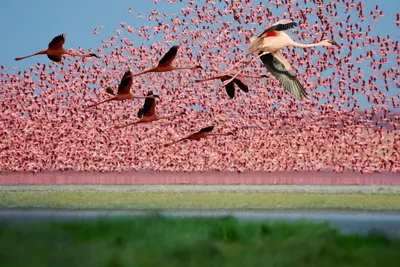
<point x="271" y="41"/>
<point x="165" y="63"/>
<point x="203" y="133"/>
<point x="56" y="50"/>
<point x="124" y="91"/>
<point x="230" y="87"/>
<point x="148" y="112"/>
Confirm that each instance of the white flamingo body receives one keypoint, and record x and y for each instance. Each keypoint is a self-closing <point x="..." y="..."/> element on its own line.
<point x="271" y="41"/>
<point x="269" y="44"/>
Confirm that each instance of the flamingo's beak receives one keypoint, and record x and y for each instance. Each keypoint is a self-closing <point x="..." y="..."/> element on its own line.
<point x="335" y="43"/>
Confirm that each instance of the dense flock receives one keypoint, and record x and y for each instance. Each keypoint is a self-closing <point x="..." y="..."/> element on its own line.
<point x="348" y="122"/>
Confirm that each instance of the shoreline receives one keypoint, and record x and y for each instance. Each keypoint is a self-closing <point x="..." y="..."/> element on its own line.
<point x="199" y="178"/>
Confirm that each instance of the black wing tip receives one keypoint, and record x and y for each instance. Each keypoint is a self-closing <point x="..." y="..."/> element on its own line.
<point x="56" y="40"/>
<point x="110" y="91"/>
<point x="94" y="55"/>
<point x="296" y="89"/>
<point x="126" y="74"/>
<point x="172" y="52"/>
<point x="289" y="25"/>
<point x="241" y="85"/>
<point x="54" y="58"/>
<point x="280" y="27"/>
<point x="174" y="49"/>
<point x="140" y="113"/>
<point x="304" y="94"/>
<point x="229" y="88"/>
<point x="231" y="96"/>
<point x="207" y="129"/>
<point x="61" y="35"/>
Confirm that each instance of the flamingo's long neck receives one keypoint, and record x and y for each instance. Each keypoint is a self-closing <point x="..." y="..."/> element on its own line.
<point x="140" y="73"/>
<point x="306" y="45"/>
<point x="208" y="79"/>
<point x="185" y="68"/>
<point x="105" y="101"/>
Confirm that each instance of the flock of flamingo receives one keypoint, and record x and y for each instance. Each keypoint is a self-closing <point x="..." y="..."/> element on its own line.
<point x="304" y="101"/>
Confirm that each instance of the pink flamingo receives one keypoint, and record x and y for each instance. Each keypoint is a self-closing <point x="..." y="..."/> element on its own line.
<point x="56" y="50"/>
<point x="148" y="112"/>
<point x="230" y="87"/>
<point x="203" y="133"/>
<point x="124" y="91"/>
<point x="165" y="63"/>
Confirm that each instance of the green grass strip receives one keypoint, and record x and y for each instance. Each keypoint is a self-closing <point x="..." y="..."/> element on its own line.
<point x="149" y="198"/>
<point x="159" y="241"/>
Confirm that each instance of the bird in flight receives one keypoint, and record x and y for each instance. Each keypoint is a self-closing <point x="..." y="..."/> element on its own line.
<point x="56" y="50"/>
<point x="230" y="87"/>
<point x="165" y="63"/>
<point x="148" y="113"/>
<point x="269" y="44"/>
<point x="124" y="91"/>
<point x="203" y="133"/>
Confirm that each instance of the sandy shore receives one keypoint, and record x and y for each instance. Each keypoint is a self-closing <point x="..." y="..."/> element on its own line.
<point x="200" y="178"/>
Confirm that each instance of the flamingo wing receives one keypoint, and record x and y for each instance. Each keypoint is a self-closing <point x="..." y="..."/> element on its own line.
<point x="169" y="56"/>
<point x="281" y="25"/>
<point x="206" y="129"/>
<point x="241" y="85"/>
<point x="149" y="106"/>
<point x="140" y="113"/>
<point x="54" y="58"/>
<point x="230" y="87"/>
<point x="110" y="91"/>
<point x="124" y="86"/>
<point x="57" y="42"/>
<point x="287" y="78"/>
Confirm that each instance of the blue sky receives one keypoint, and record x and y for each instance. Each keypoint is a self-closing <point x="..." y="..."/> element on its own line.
<point x="28" y="26"/>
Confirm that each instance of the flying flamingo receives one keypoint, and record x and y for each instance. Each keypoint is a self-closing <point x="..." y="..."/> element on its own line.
<point x="203" y="133"/>
<point x="271" y="41"/>
<point x="165" y="63"/>
<point x="124" y="91"/>
<point x="230" y="87"/>
<point x="56" y="50"/>
<point x="148" y="112"/>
